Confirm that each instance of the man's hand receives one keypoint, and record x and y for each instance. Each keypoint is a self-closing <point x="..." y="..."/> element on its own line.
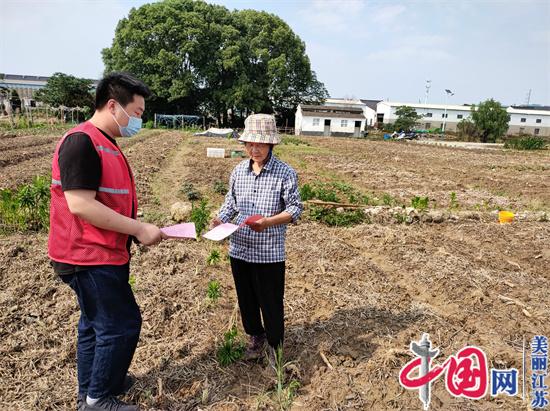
<point x="149" y="234"/>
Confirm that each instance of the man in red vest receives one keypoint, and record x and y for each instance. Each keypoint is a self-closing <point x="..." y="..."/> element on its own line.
<point x="92" y="223"/>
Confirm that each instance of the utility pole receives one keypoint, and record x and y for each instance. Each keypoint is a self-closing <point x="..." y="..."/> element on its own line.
<point x="428" y="85"/>
<point x="447" y="94"/>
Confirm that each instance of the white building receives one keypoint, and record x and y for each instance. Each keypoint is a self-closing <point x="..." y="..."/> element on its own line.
<point x="26" y="86"/>
<point x="529" y="120"/>
<point x="534" y="120"/>
<point x="329" y="120"/>
<point x="433" y="115"/>
<point x="368" y="107"/>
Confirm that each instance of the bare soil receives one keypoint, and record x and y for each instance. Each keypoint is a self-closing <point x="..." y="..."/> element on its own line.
<point x="356" y="295"/>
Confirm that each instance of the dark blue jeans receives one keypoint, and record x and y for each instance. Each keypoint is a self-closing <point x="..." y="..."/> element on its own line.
<point x="108" y="330"/>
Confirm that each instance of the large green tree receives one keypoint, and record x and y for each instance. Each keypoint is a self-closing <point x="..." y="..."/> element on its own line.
<point x="406" y="118"/>
<point x="202" y="58"/>
<point x="66" y="90"/>
<point x="491" y="119"/>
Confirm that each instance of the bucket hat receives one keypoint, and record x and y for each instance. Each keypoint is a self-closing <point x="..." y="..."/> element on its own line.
<point x="260" y="128"/>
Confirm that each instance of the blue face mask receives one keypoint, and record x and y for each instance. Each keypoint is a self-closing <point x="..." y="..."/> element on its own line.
<point x="133" y="127"/>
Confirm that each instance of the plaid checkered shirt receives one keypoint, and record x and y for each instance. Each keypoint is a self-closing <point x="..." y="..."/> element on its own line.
<point x="269" y="193"/>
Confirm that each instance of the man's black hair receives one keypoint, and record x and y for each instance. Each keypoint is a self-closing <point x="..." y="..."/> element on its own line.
<point x="121" y="87"/>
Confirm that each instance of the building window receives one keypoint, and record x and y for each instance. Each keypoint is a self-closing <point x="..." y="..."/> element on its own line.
<point x="344" y="123"/>
<point x="428" y="114"/>
<point x="523" y="120"/>
<point x="459" y="116"/>
<point x="428" y="126"/>
<point x="537" y="131"/>
<point x="444" y="115"/>
<point x="539" y="120"/>
<point x="316" y="121"/>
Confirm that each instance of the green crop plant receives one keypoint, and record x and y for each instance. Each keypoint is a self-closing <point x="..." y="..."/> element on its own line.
<point x="214" y="257"/>
<point x="420" y="203"/>
<point x="453" y="203"/>
<point x="200" y="215"/>
<point x="387" y="199"/>
<point x="231" y="349"/>
<point x="213" y="293"/>
<point x="188" y="189"/>
<point x="284" y="392"/>
<point x="220" y="187"/>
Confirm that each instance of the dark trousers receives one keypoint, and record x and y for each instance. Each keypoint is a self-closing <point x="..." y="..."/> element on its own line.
<point x="108" y="330"/>
<point x="260" y="290"/>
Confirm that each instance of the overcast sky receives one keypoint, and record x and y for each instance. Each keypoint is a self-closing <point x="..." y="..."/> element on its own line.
<point x="366" y="49"/>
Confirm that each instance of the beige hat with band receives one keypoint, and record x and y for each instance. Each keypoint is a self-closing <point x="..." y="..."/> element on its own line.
<point x="260" y="128"/>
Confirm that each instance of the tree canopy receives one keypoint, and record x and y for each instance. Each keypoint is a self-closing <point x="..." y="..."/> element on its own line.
<point x="66" y="90"/>
<point x="491" y="119"/>
<point x="202" y="58"/>
<point x="406" y="118"/>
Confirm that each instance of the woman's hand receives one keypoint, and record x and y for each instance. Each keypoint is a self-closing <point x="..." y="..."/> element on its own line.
<point x="215" y="222"/>
<point x="260" y="225"/>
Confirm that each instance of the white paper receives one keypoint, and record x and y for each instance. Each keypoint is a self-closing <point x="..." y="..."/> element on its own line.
<point x="220" y="232"/>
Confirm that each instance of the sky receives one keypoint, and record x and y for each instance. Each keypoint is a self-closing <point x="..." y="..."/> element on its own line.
<point x="385" y="50"/>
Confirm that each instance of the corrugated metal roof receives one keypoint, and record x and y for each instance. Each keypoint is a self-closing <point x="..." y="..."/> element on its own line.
<point x="328" y="108"/>
<point x="428" y="106"/>
<point x="326" y="114"/>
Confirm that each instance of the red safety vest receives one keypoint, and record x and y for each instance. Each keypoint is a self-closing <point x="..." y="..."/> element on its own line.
<point x="73" y="240"/>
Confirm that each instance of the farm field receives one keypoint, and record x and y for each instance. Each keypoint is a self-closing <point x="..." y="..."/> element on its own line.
<point x="355" y="296"/>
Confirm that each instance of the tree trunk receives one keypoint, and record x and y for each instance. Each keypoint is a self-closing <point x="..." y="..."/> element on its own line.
<point x="484" y="136"/>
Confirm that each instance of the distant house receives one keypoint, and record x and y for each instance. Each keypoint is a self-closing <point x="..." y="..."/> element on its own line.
<point x="433" y="115"/>
<point x="368" y="107"/>
<point x="533" y="119"/>
<point x="529" y="119"/>
<point x="370" y="111"/>
<point x="329" y="120"/>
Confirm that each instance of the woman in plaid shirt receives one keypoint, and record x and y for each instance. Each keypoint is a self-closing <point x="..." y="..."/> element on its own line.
<point x="266" y="186"/>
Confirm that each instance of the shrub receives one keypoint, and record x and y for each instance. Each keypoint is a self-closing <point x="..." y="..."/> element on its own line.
<point x="332" y="217"/>
<point x="525" y="143"/>
<point x="307" y="192"/>
<point x="28" y="208"/>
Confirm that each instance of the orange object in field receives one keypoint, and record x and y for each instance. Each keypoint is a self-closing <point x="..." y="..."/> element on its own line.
<point x="505" y="217"/>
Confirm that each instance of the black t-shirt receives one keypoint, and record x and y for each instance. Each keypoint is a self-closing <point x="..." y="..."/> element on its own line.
<point x="80" y="168"/>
